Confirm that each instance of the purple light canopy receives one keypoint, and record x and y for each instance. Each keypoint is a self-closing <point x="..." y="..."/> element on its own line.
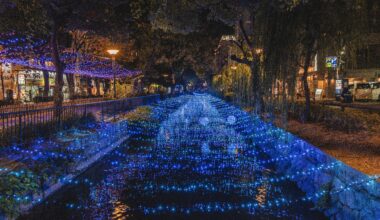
<point x="35" y="54"/>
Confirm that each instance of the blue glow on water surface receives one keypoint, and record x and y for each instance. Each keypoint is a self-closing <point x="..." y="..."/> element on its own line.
<point x="202" y="158"/>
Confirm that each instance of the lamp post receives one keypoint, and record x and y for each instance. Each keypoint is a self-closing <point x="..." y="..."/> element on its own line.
<point x="113" y="53"/>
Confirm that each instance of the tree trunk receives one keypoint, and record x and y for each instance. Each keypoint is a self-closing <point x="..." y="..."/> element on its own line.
<point x="2" y="81"/>
<point x="284" y="115"/>
<point x="71" y="85"/>
<point x="306" y="85"/>
<point x="330" y="88"/>
<point x="46" y="83"/>
<point x="107" y="86"/>
<point x="97" y="84"/>
<point x="59" y="69"/>
<point x="257" y="98"/>
<point x="89" y="87"/>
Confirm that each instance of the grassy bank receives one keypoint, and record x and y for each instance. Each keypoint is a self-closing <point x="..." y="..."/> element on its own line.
<point x="352" y="136"/>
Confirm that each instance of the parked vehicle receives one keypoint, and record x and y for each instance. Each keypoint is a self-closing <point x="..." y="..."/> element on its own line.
<point x="362" y="91"/>
<point x="375" y="91"/>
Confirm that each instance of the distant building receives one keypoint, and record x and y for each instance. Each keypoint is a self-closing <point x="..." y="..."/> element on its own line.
<point x="25" y="84"/>
<point x="361" y="65"/>
<point x="366" y="66"/>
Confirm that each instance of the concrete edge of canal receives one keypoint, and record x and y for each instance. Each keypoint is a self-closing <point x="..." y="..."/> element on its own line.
<point x="81" y="168"/>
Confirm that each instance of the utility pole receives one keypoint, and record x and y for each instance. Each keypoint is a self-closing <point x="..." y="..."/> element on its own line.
<point x="113" y="53"/>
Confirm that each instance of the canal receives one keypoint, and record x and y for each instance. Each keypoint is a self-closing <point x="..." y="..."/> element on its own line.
<point x="197" y="157"/>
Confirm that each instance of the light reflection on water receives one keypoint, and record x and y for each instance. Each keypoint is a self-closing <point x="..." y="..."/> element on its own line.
<point x="261" y="195"/>
<point x="120" y="211"/>
<point x="195" y="164"/>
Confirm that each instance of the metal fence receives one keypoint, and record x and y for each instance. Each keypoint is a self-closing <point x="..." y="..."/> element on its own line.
<point x="18" y="126"/>
<point x="41" y="105"/>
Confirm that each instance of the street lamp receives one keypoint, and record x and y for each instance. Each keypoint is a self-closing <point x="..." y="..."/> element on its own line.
<point x="259" y="50"/>
<point x="113" y="53"/>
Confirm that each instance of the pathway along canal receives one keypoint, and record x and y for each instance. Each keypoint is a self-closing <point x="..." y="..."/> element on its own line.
<point x="200" y="158"/>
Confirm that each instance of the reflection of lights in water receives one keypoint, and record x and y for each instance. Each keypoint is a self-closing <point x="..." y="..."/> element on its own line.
<point x="205" y="148"/>
<point x="202" y="121"/>
<point x="233" y="148"/>
<point x="261" y="194"/>
<point x="182" y="112"/>
<point x="231" y="120"/>
<point x="120" y="211"/>
<point x="159" y="174"/>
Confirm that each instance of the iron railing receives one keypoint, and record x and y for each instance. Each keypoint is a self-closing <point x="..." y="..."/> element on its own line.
<point x="34" y="106"/>
<point x="21" y="125"/>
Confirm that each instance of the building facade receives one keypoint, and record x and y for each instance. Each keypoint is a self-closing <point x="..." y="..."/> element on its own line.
<point x="25" y="84"/>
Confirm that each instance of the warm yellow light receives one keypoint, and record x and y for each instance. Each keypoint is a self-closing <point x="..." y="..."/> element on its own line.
<point x="259" y="51"/>
<point x="113" y="51"/>
<point x="234" y="67"/>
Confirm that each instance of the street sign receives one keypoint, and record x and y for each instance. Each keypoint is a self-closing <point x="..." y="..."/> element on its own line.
<point x="338" y="86"/>
<point x="331" y="62"/>
<point x="318" y="94"/>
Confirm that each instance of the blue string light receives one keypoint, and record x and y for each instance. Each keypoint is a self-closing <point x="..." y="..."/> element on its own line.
<point x="244" y="155"/>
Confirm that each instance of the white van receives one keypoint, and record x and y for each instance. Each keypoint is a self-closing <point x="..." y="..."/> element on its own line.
<point x="375" y="91"/>
<point x="362" y="91"/>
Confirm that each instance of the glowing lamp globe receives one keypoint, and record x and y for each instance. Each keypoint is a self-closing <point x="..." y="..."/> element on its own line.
<point x="113" y="51"/>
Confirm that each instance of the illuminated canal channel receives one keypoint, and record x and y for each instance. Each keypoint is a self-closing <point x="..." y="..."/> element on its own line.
<point x="198" y="157"/>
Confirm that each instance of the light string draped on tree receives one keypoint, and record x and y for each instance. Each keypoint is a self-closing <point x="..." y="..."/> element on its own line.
<point x="34" y="53"/>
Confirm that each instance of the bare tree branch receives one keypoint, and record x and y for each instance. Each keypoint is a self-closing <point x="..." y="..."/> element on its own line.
<point x="239" y="60"/>
<point x="241" y="47"/>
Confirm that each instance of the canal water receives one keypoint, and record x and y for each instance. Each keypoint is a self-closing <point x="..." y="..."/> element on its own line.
<point x="200" y="158"/>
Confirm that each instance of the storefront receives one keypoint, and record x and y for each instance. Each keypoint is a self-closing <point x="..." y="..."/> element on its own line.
<point x="26" y="84"/>
<point x="321" y="78"/>
<point x="8" y="82"/>
<point x="31" y="84"/>
<point x="23" y="84"/>
<point x="87" y="87"/>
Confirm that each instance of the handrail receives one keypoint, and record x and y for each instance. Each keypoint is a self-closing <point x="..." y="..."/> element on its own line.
<point x="16" y="126"/>
<point x="77" y="105"/>
<point x="34" y="106"/>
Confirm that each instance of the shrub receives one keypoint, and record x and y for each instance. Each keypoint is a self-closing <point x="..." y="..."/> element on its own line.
<point x="14" y="187"/>
<point x="38" y="99"/>
<point x="139" y="114"/>
<point x="27" y="132"/>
